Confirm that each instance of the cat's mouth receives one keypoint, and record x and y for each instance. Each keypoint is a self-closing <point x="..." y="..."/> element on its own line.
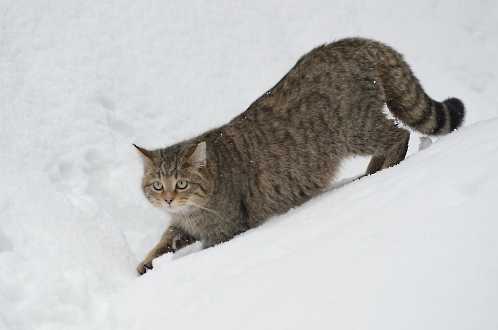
<point x="172" y="208"/>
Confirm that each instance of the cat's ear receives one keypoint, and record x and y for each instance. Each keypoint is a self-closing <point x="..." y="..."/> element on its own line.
<point x="146" y="154"/>
<point x="198" y="156"/>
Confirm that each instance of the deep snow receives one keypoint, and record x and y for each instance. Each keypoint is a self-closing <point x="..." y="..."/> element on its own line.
<point x="411" y="247"/>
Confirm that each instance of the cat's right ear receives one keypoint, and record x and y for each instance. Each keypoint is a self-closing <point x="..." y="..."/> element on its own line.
<point x="146" y="154"/>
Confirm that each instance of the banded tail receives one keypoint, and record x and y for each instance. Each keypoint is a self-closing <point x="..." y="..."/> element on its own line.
<point x="407" y="100"/>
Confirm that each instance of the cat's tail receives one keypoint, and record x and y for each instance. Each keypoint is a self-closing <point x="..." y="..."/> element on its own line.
<point x="429" y="116"/>
<point x="407" y="100"/>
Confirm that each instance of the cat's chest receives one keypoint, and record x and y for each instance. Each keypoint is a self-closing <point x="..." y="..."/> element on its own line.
<point x="192" y="223"/>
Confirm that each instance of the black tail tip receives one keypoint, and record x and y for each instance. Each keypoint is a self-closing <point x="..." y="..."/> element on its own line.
<point x="456" y="110"/>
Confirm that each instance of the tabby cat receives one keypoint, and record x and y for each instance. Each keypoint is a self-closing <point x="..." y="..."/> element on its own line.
<point x="287" y="146"/>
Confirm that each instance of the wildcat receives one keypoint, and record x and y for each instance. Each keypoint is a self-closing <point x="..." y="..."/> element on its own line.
<point x="287" y="146"/>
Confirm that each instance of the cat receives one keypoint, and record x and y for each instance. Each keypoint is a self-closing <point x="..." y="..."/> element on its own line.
<point x="287" y="146"/>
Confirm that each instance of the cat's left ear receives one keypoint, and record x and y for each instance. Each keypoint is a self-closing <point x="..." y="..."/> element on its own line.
<point x="198" y="156"/>
<point x="146" y="154"/>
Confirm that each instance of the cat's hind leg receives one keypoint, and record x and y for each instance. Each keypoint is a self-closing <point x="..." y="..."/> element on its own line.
<point x="393" y="146"/>
<point x="379" y="136"/>
<point x="375" y="164"/>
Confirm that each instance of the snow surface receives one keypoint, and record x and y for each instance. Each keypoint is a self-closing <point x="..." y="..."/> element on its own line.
<point x="412" y="247"/>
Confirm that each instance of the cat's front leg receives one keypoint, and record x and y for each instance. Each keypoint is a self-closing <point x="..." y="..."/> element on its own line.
<point x="172" y="240"/>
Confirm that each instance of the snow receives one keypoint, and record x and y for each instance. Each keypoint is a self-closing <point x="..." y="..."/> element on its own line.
<point x="410" y="247"/>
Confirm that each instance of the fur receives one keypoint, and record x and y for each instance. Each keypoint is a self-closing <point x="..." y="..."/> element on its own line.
<point x="287" y="146"/>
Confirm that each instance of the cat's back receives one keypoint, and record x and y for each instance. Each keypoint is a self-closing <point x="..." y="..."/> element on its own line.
<point x="334" y="70"/>
<point x="347" y="51"/>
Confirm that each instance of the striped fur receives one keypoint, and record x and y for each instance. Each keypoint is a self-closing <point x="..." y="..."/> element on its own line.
<point x="287" y="146"/>
<point x="407" y="100"/>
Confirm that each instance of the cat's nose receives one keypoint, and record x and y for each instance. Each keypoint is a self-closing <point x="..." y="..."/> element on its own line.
<point x="168" y="197"/>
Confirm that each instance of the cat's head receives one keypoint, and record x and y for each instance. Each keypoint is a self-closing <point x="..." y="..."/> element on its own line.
<point x="177" y="178"/>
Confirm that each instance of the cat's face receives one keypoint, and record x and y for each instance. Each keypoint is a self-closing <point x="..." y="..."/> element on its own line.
<point x="176" y="178"/>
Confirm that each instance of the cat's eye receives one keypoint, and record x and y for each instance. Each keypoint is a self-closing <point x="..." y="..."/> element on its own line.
<point x="157" y="186"/>
<point x="181" y="184"/>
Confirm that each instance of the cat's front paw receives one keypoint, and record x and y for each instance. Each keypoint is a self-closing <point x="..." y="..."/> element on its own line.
<point x="143" y="266"/>
<point x="180" y="240"/>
